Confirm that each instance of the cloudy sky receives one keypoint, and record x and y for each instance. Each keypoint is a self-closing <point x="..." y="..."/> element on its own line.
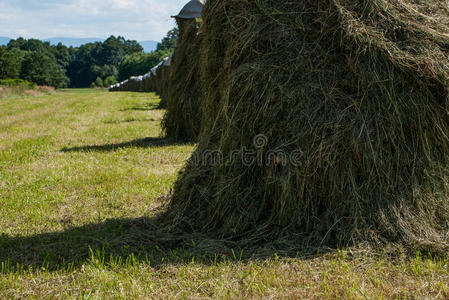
<point x="133" y="19"/>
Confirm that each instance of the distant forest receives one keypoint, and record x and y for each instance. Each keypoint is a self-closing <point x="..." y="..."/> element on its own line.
<point x="93" y="64"/>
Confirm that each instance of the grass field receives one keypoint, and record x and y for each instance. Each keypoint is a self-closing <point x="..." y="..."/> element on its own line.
<point x="83" y="172"/>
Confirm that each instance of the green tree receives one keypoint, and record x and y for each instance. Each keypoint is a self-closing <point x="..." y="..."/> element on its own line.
<point x="104" y="71"/>
<point x="80" y="67"/>
<point x="98" y="82"/>
<point x="169" y="41"/>
<point x="41" y="62"/>
<point x="9" y="64"/>
<point x="18" y="43"/>
<point x="114" y="49"/>
<point x="109" y="81"/>
<point x="59" y="66"/>
<point x="41" y="69"/>
<point x="99" y="60"/>
<point x="62" y="55"/>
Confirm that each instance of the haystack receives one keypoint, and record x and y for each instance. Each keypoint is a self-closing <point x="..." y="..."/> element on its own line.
<point x="147" y="82"/>
<point x="162" y="85"/>
<point x="344" y="108"/>
<point x="183" y="117"/>
<point x="153" y="78"/>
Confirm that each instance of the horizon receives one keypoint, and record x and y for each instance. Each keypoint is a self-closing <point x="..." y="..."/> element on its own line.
<point x="76" y="37"/>
<point x="144" y="20"/>
<point x="147" y="45"/>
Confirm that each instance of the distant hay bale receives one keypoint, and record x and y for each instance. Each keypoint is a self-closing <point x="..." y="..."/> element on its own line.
<point x="147" y="82"/>
<point x="344" y="105"/>
<point x="124" y="86"/>
<point x="183" y="117"/>
<point x="134" y="84"/>
<point x="163" y="82"/>
<point x="153" y="80"/>
<point x="157" y="81"/>
<point x="139" y="85"/>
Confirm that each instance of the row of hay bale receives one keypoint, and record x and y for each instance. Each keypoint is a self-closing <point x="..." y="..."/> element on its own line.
<point x="176" y="79"/>
<point x="182" y="120"/>
<point x="319" y="123"/>
<point x="152" y="81"/>
<point x="159" y="81"/>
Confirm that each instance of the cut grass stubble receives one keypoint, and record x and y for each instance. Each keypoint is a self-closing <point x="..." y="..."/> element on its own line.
<point x="81" y="185"/>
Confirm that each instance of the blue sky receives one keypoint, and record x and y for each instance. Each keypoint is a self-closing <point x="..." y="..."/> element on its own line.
<point x="133" y="19"/>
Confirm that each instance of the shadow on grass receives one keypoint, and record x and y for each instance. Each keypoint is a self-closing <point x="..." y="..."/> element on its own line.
<point x="150" y="142"/>
<point x="116" y="240"/>
<point x="131" y="120"/>
<point x="146" y="107"/>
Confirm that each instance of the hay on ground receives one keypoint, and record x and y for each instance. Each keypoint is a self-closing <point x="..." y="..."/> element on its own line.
<point x="162" y="82"/>
<point x="182" y="120"/>
<point x="355" y="93"/>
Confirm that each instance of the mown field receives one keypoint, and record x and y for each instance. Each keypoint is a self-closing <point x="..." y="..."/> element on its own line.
<point x="82" y="174"/>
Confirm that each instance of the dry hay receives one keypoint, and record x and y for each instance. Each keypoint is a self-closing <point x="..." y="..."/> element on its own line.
<point x="147" y="83"/>
<point x="153" y="83"/>
<point x="356" y="90"/>
<point x="163" y="84"/>
<point x="182" y="120"/>
<point x="158" y="82"/>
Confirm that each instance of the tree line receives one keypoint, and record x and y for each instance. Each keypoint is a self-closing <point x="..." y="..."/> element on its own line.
<point x="92" y="64"/>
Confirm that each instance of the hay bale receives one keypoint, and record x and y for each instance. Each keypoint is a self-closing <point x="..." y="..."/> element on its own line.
<point x="182" y="120"/>
<point x="153" y="81"/>
<point x="124" y="87"/>
<point x="133" y="84"/>
<point x="147" y="82"/>
<point x="162" y="85"/>
<point x="114" y="87"/>
<point x="140" y="84"/>
<point x="354" y="92"/>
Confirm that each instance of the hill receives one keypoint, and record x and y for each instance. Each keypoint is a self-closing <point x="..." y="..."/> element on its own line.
<point x="74" y="42"/>
<point x="4" y="40"/>
<point x="148" y="46"/>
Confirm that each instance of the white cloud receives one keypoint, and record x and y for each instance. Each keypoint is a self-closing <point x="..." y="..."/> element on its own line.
<point x="140" y="20"/>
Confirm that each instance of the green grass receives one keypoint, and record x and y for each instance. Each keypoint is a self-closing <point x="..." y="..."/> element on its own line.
<point x="82" y="174"/>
